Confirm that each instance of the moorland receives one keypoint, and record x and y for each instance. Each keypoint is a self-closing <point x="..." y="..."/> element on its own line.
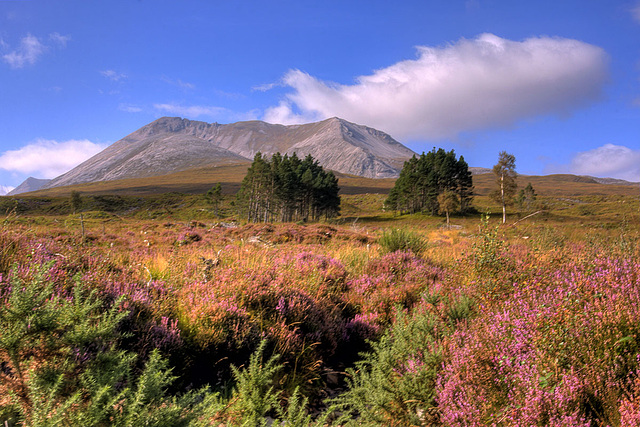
<point x="144" y="307"/>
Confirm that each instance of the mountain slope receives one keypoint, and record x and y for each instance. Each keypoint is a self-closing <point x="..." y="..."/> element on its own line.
<point x="29" y="184"/>
<point x="172" y="144"/>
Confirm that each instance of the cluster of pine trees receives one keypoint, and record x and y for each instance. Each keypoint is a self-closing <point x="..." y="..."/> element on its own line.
<point x="286" y="188"/>
<point x="428" y="181"/>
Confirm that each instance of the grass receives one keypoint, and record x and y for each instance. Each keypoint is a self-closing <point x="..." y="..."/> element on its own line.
<point x="530" y="323"/>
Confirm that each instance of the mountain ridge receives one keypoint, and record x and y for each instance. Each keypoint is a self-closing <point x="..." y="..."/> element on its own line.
<point x="28" y="185"/>
<point x="172" y="144"/>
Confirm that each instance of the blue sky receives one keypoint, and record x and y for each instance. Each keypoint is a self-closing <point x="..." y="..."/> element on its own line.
<point x="556" y="83"/>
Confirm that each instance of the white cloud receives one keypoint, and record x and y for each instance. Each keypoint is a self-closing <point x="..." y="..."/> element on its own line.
<point x="31" y="49"/>
<point x="59" y="39"/>
<point x="4" y="189"/>
<point x="265" y="87"/>
<point x="608" y="161"/>
<point x="48" y="159"/>
<point x="28" y="52"/>
<point x="113" y="75"/>
<point x="191" y="111"/>
<point x="469" y="85"/>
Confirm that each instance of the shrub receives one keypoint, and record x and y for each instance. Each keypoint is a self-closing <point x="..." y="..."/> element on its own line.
<point x="60" y="364"/>
<point x="395" y="384"/>
<point x="402" y="240"/>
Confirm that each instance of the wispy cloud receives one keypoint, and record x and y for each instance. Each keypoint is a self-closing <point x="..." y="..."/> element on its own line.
<point x="129" y="108"/>
<point x="265" y="87"/>
<point x="47" y="158"/>
<point x="31" y="48"/>
<point x="4" y="189"/>
<point x="59" y="39"/>
<point x="28" y="52"/>
<point x="191" y="110"/>
<point x="635" y="12"/>
<point x="179" y="83"/>
<point x="113" y="75"/>
<point x="607" y="161"/>
<point x="469" y="85"/>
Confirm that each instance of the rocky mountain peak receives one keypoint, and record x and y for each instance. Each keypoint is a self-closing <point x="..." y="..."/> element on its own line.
<point x="172" y="144"/>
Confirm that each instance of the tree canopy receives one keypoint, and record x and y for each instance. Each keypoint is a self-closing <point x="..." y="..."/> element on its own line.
<point x="424" y="178"/>
<point x="527" y="197"/>
<point x="286" y="188"/>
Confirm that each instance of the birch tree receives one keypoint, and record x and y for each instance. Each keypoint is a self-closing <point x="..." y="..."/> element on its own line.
<point x="505" y="172"/>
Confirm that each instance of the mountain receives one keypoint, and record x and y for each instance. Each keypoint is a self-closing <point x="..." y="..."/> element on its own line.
<point x="173" y="144"/>
<point x="613" y="181"/>
<point x="29" y="184"/>
<point x="479" y="171"/>
<point x="565" y="177"/>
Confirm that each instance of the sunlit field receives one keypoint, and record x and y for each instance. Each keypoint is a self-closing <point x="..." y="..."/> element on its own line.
<point x="163" y="314"/>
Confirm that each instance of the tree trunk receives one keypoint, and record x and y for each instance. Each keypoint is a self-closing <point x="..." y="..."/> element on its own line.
<point x="504" y="206"/>
<point x="82" y="225"/>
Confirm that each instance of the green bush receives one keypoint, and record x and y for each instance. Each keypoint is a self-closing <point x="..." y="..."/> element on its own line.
<point x="402" y="240"/>
<point x="395" y="384"/>
<point x="61" y="365"/>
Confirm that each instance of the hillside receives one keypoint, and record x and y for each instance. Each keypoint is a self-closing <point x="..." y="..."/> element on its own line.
<point x="199" y="180"/>
<point x="172" y="144"/>
<point x="28" y="185"/>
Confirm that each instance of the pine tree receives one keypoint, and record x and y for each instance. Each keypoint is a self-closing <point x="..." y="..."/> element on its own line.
<point x="214" y="196"/>
<point x="423" y="179"/>
<point x="286" y="188"/>
<point x="526" y="197"/>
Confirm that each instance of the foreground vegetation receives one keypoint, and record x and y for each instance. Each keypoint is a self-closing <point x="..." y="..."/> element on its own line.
<point x="165" y="315"/>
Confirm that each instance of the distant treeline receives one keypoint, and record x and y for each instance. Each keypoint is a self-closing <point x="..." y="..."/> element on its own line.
<point x="286" y="188"/>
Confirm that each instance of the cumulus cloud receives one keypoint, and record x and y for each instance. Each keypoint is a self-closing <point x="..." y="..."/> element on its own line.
<point x="31" y="48"/>
<point x="469" y="85"/>
<point x="608" y="161"/>
<point x="47" y="158"/>
<point x="190" y="111"/>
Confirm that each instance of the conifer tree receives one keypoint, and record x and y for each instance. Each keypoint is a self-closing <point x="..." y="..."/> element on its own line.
<point x="286" y="188"/>
<point x="423" y="179"/>
<point x="526" y="197"/>
<point x="214" y="196"/>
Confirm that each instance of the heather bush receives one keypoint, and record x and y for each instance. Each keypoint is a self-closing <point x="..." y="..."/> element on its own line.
<point x="395" y="279"/>
<point x="532" y="324"/>
<point x="560" y="350"/>
<point x="294" y="299"/>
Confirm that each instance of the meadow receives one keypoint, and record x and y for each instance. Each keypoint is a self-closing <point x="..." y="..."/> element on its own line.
<point x="159" y="313"/>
